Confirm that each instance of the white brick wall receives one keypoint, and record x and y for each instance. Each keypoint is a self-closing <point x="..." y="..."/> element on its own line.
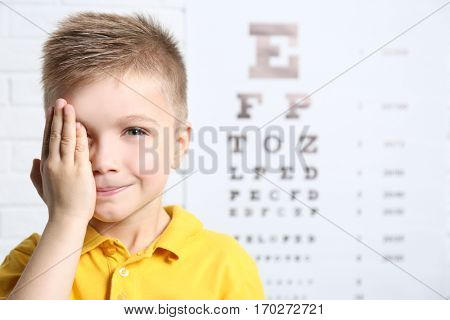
<point x="21" y="123"/>
<point x="5" y="156"/>
<point x="22" y="220"/>
<point x="4" y="27"/>
<point x="28" y="83"/>
<point x="21" y="114"/>
<point x="3" y="91"/>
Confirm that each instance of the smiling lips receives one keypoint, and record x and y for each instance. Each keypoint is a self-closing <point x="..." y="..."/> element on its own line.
<point x="110" y="190"/>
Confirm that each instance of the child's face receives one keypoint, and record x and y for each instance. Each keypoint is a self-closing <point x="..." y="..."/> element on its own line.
<point x="134" y="153"/>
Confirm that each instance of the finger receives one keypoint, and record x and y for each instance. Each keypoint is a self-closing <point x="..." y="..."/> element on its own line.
<point x="45" y="142"/>
<point x="82" y="145"/>
<point x="55" y="131"/>
<point x="68" y="137"/>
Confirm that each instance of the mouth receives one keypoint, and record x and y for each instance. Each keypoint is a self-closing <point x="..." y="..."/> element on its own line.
<point x="104" y="192"/>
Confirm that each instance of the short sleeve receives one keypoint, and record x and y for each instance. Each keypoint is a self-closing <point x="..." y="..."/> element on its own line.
<point x="14" y="263"/>
<point x="242" y="280"/>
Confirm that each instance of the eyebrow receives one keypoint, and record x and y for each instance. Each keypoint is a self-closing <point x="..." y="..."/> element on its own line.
<point x="137" y="118"/>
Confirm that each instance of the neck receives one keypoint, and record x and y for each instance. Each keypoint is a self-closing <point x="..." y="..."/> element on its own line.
<point x="139" y="229"/>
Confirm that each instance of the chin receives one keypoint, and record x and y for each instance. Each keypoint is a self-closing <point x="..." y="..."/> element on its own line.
<point x="104" y="218"/>
<point x="109" y="215"/>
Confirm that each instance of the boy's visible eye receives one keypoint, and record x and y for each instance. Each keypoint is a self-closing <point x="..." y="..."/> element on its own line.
<point x="139" y="131"/>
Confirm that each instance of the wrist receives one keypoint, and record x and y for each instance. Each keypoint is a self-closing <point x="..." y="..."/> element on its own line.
<point x="65" y="230"/>
<point x="67" y="219"/>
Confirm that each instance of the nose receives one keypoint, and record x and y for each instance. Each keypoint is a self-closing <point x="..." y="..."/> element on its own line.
<point x="102" y="155"/>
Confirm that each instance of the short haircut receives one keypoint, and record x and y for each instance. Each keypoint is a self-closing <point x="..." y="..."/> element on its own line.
<point x="87" y="46"/>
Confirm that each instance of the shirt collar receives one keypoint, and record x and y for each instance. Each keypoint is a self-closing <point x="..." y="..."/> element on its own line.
<point x="182" y="226"/>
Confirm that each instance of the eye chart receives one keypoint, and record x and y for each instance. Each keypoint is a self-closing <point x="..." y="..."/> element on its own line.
<point x="323" y="130"/>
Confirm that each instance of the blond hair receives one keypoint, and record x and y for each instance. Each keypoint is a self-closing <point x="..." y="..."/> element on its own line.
<point x="87" y="46"/>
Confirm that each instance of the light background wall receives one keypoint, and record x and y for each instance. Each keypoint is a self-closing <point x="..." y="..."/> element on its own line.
<point x="382" y="132"/>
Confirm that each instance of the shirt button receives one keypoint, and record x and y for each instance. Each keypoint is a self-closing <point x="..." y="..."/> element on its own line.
<point x="123" y="272"/>
<point x="122" y="296"/>
<point x="109" y="251"/>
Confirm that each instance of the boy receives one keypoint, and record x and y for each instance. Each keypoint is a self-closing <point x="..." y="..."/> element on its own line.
<point x="117" y="85"/>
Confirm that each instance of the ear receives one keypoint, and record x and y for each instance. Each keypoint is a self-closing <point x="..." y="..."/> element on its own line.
<point x="182" y="140"/>
<point x="36" y="177"/>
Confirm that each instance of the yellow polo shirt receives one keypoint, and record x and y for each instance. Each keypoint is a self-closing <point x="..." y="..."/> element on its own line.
<point x="186" y="261"/>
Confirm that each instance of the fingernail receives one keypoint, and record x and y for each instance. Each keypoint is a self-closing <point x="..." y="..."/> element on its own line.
<point x="78" y="125"/>
<point x="60" y="104"/>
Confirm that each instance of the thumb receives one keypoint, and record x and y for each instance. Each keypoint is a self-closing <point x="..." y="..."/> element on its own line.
<point x="36" y="177"/>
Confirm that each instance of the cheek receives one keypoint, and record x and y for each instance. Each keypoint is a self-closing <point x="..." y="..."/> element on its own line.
<point x="156" y="156"/>
<point x="153" y="184"/>
<point x="144" y="159"/>
<point x="153" y="181"/>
